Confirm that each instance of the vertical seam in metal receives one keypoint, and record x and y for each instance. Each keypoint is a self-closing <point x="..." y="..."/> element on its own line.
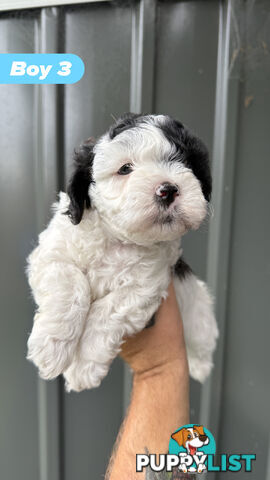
<point x="219" y="240"/>
<point x="49" y="394"/>
<point x="136" y="57"/>
<point x="61" y="443"/>
<point x="267" y="476"/>
<point x="61" y="180"/>
<point x="218" y="167"/>
<point x="42" y="417"/>
<point x="142" y="66"/>
<point x="61" y="42"/>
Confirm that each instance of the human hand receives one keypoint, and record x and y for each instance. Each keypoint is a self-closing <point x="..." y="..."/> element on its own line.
<point x="160" y="393"/>
<point x="161" y="346"/>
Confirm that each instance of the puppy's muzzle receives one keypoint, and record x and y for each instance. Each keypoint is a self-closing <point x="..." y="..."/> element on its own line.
<point x="166" y="193"/>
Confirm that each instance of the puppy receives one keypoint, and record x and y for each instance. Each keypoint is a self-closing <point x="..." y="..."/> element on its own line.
<point x="104" y="263"/>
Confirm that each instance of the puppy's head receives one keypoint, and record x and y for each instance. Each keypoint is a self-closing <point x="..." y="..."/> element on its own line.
<point x="148" y="177"/>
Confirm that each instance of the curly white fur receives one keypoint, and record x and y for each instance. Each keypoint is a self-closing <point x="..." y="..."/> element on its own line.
<point x="103" y="279"/>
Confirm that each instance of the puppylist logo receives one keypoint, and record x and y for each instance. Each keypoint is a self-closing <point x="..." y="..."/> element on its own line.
<point x="192" y="443"/>
<point x="192" y="449"/>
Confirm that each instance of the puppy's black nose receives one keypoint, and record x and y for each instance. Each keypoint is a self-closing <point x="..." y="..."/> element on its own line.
<point x="166" y="193"/>
<point x="203" y="438"/>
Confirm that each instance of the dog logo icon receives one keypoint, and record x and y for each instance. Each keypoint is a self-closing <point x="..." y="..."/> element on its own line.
<point x="191" y="438"/>
<point x="192" y="443"/>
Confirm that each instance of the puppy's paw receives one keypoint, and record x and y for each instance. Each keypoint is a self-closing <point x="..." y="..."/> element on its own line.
<point x="199" y="368"/>
<point x="82" y="376"/>
<point x="51" y="355"/>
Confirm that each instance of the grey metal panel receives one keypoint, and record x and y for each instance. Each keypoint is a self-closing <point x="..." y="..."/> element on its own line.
<point x="101" y="35"/>
<point x="92" y="420"/>
<point x="186" y="81"/>
<point x="186" y="55"/>
<point x="18" y="400"/>
<point x="143" y="56"/>
<point x="246" y="388"/>
<point x="219" y="232"/>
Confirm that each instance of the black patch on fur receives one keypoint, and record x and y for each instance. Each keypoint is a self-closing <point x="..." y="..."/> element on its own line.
<point x="126" y="121"/>
<point x="151" y="322"/>
<point x="182" y="269"/>
<point x="191" y="151"/>
<point x="80" y="180"/>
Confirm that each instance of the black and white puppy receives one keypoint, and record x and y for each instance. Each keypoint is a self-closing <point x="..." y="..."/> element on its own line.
<point x="104" y="263"/>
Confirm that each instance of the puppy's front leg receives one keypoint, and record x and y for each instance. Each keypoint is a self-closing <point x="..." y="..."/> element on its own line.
<point x="62" y="294"/>
<point x="200" y="327"/>
<point x="118" y="314"/>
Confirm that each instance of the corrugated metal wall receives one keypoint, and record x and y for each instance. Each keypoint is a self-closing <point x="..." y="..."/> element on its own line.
<point x="207" y="63"/>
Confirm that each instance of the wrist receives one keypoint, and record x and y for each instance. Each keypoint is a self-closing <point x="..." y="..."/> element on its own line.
<point x="172" y="369"/>
<point x="161" y="396"/>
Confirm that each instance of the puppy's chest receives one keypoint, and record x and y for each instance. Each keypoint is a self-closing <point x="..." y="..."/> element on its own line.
<point x="119" y="266"/>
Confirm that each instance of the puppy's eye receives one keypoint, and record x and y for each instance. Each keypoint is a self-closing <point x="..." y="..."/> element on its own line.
<point x="125" y="169"/>
<point x="189" y="436"/>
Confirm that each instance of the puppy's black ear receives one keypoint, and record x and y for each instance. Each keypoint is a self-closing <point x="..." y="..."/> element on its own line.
<point x="191" y="151"/>
<point x="126" y="121"/>
<point x="80" y="180"/>
<point x="197" y="159"/>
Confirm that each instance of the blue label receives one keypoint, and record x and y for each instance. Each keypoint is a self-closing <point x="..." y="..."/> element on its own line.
<point x="42" y="68"/>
